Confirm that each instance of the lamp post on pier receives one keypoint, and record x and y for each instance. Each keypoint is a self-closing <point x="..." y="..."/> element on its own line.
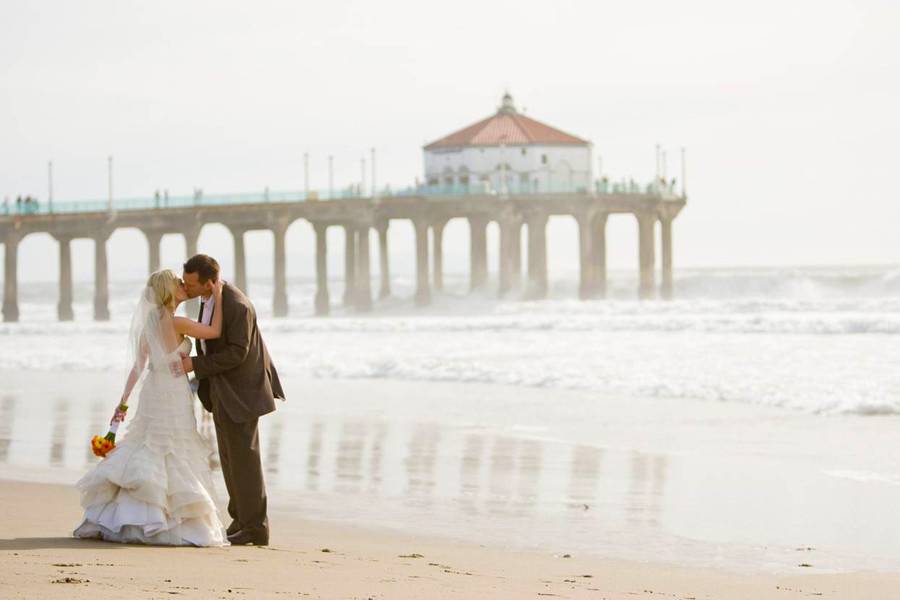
<point x="109" y="166"/>
<point x="50" y="186"/>
<point x="330" y="177"/>
<point x="362" y="177"/>
<point x="656" y="179"/>
<point x="306" y="175"/>
<point x="374" y="187"/>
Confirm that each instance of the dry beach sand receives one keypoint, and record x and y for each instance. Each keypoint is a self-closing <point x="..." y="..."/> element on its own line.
<point x="316" y="560"/>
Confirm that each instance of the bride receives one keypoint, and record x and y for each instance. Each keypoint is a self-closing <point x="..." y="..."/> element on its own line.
<point x="155" y="487"/>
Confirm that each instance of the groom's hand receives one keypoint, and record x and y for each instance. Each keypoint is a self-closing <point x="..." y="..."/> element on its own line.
<point x="176" y="368"/>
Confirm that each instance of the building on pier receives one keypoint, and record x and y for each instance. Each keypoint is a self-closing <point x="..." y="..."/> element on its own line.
<point x="508" y="152"/>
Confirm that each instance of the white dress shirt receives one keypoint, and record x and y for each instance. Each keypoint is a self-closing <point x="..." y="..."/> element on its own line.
<point x="209" y="304"/>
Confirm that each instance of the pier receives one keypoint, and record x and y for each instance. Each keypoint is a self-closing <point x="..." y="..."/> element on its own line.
<point x="516" y="215"/>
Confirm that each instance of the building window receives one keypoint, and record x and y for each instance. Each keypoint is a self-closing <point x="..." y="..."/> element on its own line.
<point x="432" y="181"/>
<point x="524" y="151"/>
<point x="543" y="159"/>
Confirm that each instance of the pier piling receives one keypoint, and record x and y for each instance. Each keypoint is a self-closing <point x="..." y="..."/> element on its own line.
<point x="357" y="217"/>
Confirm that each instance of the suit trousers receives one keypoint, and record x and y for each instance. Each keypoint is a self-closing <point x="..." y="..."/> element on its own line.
<point x="242" y="469"/>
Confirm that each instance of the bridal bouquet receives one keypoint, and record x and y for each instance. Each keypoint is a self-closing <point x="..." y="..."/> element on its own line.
<point x="102" y="445"/>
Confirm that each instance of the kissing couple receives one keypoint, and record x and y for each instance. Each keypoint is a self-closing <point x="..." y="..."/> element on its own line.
<point x="155" y="486"/>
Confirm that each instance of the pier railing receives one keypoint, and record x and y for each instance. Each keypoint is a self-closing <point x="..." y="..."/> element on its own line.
<point x="199" y="198"/>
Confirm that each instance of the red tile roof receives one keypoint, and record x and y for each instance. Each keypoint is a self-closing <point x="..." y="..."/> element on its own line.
<point x="506" y="127"/>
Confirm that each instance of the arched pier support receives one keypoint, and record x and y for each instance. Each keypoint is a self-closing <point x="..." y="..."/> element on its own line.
<point x="666" y="234"/>
<point x="191" y="237"/>
<point x="647" y="254"/>
<point x="363" y="293"/>
<point x="423" y="288"/>
<point x="153" y="241"/>
<point x="537" y="256"/>
<point x="349" y="264"/>
<point x="279" y="295"/>
<point x="240" y="258"/>
<point x="437" y="254"/>
<point x="510" y="254"/>
<point x="478" y="251"/>
<point x="101" y="277"/>
<point x="322" y="300"/>
<point x="598" y="254"/>
<point x="11" y="277"/>
<point x="64" y="306"/>
<point x="384" y="269"/>
<point x="585" y="254"/>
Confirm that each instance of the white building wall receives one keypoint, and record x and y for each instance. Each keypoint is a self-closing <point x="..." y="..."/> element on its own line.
<point x="532" y="168"/>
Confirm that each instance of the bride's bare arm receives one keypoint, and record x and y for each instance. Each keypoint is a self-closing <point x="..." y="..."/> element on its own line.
<point x="192" y="328"/>
<point x="133" y="377"/>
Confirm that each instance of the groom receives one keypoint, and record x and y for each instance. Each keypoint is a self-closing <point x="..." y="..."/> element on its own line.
<point x="238" y="384"/>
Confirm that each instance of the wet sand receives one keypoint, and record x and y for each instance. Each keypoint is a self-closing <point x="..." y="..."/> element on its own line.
<point x="311" y="559"/>
<point x="696" y="484"/>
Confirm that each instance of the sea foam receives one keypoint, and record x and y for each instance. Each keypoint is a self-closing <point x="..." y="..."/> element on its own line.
<point x="817" y="341"/>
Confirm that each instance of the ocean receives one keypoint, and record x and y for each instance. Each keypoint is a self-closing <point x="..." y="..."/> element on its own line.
<point x="816" y="340"/>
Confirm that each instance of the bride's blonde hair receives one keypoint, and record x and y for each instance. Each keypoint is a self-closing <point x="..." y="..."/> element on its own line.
<point x="162" y="285"/>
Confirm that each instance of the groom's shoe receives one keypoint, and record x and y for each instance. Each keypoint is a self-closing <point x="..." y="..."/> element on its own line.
<point x="245" y="538"/>
<point x="233" y="528"/>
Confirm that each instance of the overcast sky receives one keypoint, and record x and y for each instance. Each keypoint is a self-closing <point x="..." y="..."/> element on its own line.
<point x="788" y="110"/>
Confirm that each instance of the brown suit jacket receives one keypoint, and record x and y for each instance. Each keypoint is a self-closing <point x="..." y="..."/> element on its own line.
<point x="236" y="374"/>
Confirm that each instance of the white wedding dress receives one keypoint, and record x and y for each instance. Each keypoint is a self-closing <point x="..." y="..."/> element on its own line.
<point x="155" y="487"/>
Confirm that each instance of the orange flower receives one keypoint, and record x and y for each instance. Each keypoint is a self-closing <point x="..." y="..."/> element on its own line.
<point x="102" y="445"/>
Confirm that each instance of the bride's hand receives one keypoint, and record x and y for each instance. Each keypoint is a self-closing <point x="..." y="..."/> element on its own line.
<point x="217" y="288"/>
<point x="119" y="415"/>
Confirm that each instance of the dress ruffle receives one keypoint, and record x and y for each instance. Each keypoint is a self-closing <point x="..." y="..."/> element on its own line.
<point x="155" y="487"/>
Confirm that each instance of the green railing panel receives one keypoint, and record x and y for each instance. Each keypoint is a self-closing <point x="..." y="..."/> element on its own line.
<point x="276" y="197"/>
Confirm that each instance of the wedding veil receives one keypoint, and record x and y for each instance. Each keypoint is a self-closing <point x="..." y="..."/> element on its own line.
<point x="150" y="327"/>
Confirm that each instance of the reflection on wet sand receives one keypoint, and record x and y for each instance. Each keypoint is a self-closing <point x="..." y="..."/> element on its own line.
<point x="7" y="409"/>
<point x="376" y="456"/>
<point x="647" y="483"/>
<point x="584" y="474"/>
<point x="530" y="463"/>
<point x="94" y="428"/>
<point x="273" y="452"/>
<point x="471" y="472"/>
<point x="420" y="460"/>
<point x="348" y="463"/>
<point x="500" y="481"/>
<point x="58" y="436"/>
<point x="657" y="491"/>
<point x="313" y="456"/>
<point x="478" y="473"/>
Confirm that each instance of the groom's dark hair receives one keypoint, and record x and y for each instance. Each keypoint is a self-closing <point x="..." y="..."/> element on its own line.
<point x="204" y="266"/>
